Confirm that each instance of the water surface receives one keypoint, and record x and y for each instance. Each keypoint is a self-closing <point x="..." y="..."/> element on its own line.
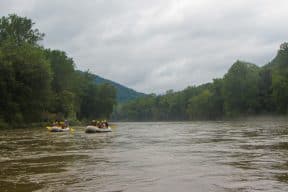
<point x="232" y="156"/>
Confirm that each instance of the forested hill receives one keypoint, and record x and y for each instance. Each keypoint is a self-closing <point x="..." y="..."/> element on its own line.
<point x="123" y="93"/>
<point x="246" y="89"/>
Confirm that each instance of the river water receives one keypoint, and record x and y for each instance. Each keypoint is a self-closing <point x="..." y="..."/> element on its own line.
<point x="233" y="156"/>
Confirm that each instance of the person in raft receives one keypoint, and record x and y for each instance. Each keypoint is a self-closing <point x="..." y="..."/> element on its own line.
<point x="106" y="125"/>
<point x="66" y="124"/>
<point x="94" y="123"/>
<point x="56" y="123"/>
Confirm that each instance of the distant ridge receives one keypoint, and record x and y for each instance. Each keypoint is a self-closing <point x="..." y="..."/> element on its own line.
<point x="124" y="93"/>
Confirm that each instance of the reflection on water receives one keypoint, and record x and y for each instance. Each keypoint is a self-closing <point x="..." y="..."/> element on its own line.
<point x="232" y="156"/>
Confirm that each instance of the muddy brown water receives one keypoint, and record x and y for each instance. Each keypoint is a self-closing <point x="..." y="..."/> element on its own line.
<point x="233" y="156"/>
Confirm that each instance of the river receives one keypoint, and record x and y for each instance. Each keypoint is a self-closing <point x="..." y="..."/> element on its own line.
<point x="233" y="156"/>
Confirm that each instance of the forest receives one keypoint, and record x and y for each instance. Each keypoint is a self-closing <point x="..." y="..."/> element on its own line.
<point x="38" y="84"/>
<point x="246" y="89"/>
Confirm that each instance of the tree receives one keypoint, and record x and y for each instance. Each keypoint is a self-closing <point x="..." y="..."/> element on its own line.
<point x="265" y="90"/>
<point x="280" y="79"/>
<point x="200" y="106"/>
<point x="95" y="101"/>
<point x="63" y="70"/>
<point x="240" y="89"/>
<point x="280" y="92"/>
<point x="25" y="72"/>
<point x="25" y="83"/>
<point x="19" y="30"/>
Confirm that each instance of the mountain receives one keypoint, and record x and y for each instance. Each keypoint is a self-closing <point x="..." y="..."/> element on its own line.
<point x="124" y="93"/>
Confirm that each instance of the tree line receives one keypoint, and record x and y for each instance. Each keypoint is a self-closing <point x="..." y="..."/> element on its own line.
<point x="39" y="84"/>
<point x="245" y="89"/>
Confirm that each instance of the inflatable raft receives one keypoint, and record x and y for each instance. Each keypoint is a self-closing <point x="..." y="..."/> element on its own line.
<point x="58" y="129"/>
<point x="95" y="129"/>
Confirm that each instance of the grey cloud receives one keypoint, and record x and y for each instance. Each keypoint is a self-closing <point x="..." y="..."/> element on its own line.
<point x="156" y="45"/>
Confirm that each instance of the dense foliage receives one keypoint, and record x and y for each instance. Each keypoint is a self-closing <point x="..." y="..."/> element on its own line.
<point x="38" y="84"/>
<point x="246" y="89"/>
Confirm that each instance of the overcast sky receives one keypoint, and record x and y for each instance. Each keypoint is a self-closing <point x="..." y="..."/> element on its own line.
<point x="157" y="45"/>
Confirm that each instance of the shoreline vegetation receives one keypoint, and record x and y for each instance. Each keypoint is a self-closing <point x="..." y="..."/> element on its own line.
<point x="245" y="90"/>
<point x="39" y="85"/>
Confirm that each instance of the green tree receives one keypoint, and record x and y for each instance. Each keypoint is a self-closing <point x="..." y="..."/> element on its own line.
<point x="64" y="97"/>
<point x="95" y="101"/>
<point x="240" y="89"/>
<point x="265" y="90"/>
<point x="280" y="79"/>
<point x="19" y="30"/>
<point x="25" y="73"/>
<point x="63" y="70"/>
<point x="200" y="105"/>
<point x="25" y="83"/>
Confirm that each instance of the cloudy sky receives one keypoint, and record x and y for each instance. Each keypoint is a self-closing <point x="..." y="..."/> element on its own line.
<point x="156" y="45"/>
